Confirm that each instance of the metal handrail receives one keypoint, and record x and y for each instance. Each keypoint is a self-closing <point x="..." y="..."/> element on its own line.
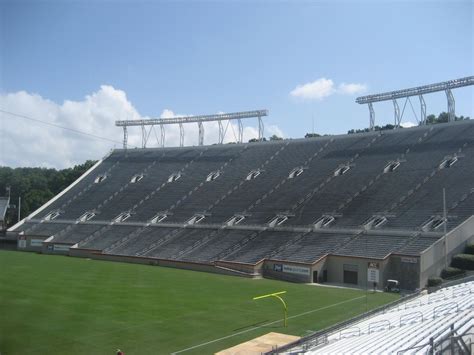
<point x="446" y="306"/>
<point x="436" y="297"/>
<point x="413" y="304"/>
<point x="347" y="331"/>
<point x="379" y="325"/>
<point x="408" y="318"/>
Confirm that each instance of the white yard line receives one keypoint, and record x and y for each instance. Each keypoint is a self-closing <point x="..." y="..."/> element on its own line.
<point x="266" y="324"/>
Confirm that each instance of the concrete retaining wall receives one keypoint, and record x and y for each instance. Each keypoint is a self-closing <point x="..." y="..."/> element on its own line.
<point x="85" y="253"/>
<point x="288" y="271"/>
<point x="433" y="259"/>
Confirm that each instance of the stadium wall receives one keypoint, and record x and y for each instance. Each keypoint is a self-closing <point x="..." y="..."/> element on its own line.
<point x="405" y="269"/>
<point x="292" y="271"/>
<point x="254" y="269"/>
<point x="432" y="260"/>
<point x="96" y="254"/>
<point x="332" y="269"/>
<point x="51" y="247"/>
<point x="31" y="242"/>
<point x="84" y="253"/>
<point x="340" y="268"/>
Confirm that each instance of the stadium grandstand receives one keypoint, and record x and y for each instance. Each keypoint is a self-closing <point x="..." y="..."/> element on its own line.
<point x="329" y="209"/>
<point x="441" y="322"/>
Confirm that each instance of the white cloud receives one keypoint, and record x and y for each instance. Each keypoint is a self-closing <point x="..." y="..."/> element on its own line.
<point x="27" y="143"/>
<point x="352" y="88"/>
<point x="167" y="113"/>
<point x="322" y="88"/>
<point x="318" y="89"/>
<point x="408" y="124"/>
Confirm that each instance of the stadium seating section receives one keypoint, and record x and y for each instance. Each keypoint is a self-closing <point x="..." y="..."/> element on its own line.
<point x="405" y="328"/>
<point x="370" y="194"/>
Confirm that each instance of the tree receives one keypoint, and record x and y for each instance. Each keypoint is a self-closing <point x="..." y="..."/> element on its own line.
<point x="312" y="135"/>
<point x="253" y="140"/>
<point x="443" y="117"/>
<point x="430" y="119"/>
<point x="275" y="138"/>
<point x="376" y="128"/>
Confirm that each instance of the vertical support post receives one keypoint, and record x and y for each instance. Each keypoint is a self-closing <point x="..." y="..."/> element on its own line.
<point x="451" y="105"/>
<point x="162" y="131"/>
<point x="396" y="111"/>
<point x="221" y="132"/>
<point x="19" y="208"/>
<point x="422" y="110"/>
<point x="445" y="227"/>
<point x="372" y="116"/>
<point x="240" y="138"/>
<point x="125" y="137"/>
<point x="201" y="133"/>
<point x="143" y="136"/>
<point x="147" y="134"/>
<point x="260" y="128"/>
<point x="181" y="135"/>
<point x="452" y="340"/>
<point x="366" y="278"/>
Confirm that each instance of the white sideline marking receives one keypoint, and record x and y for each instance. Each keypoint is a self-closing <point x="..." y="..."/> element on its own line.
<point x="266" y="324"/>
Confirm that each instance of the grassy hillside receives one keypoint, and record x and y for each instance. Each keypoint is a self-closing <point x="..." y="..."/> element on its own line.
<point x="63" y="305"/>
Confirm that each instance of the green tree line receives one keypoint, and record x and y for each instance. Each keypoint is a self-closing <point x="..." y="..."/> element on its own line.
<point x="443" y="117"/>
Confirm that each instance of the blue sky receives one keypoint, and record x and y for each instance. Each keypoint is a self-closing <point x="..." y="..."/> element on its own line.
<point x="204" y="57"/>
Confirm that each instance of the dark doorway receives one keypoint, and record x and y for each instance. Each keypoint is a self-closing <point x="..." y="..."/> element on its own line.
<point x="315" y="276"/>
<point x="325" y="276"/>
<point x="350" y="277"/>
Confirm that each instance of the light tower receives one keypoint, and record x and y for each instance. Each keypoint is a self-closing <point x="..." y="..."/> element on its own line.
<point x="419" y="91"/>
<point x="151" y="123"/>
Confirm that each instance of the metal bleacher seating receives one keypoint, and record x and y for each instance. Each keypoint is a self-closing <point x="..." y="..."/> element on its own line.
<point x="75" y="233"/>
<point x="142" y="240"/>
<point x="416" y="326"/>
<point x="416" y="245"/>
<point x="406" y="197"/>
<point x="260" y="247"/>
<point x="372" y="246"/>
<point x="108" y="237"/>
<point x="84" y="188"/>
<point x="313" y="246"/>
<point x="43" y="229"/>
<point x="417" y="165"/>
<point x="180" y="241"/>
<point x="221" y="243"/>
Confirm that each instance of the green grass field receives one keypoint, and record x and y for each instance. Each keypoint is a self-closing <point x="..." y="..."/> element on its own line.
<point x="64" y="305"/>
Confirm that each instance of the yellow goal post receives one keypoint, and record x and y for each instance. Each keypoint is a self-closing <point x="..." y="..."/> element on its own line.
<point x="285" y="308"/>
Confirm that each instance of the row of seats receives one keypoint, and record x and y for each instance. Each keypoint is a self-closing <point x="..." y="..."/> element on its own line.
<point x="406" y="327"/>
<point x="210" y="244"/>
<point x="354" y="196"/>
<point x="405" y="198"/>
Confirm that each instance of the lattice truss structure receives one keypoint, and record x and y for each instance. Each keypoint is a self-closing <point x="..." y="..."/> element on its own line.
<point x="148" y="126"/>
<point x="419" y="91"/>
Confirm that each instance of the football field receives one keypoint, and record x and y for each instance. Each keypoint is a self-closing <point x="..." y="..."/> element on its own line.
<point x="65" y="305"/>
